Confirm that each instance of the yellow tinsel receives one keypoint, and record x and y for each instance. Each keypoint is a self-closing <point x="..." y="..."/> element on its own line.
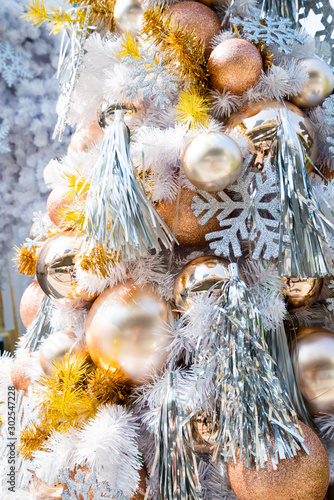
<point x="25" y="260"/>
<point x="101" y="14"/>
<point x="98" y="261"/>
<point x="55" y="17"/>
<point x="129" y="47"/>
<point x="193" y="109"/>
<point x="32" y="438"/>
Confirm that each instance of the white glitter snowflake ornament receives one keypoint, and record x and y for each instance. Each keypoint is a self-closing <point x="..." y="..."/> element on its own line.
<point x="13" y="64"/>
<point x="84" y="485"/>
<point x="247" y="211"/>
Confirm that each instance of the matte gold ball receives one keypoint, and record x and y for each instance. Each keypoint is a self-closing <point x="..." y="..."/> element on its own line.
<point x="54" y="349"/>
<point x="197" y="277"/>
<point x="301" y="293"/>
<point x="55" y="266"/>
<point x="212" y="161"/>
<point x="85" y="137"/>
<point x="319" y="86"/>
<point x="315" y="364"/>
<point x="31" y="300"/>
<point x="128" y="15"/>
<point x="304" y="477"/>
<point x="258" y="121"/>
<point x="198" y="19"/>
<point x="126" y="329"/>
<point x="234" y="65"/>
<point x="183" y="223"/>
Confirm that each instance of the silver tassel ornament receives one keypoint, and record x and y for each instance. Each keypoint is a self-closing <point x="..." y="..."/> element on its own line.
<point x="250" y="405"/>
<point x="282" y="8"/>
<point x="117" y="214"/>
<point x="40" y="327"/>
<point x="303" y="227"/>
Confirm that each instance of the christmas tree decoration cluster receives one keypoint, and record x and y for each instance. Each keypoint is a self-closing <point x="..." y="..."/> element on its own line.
<point x="180" y="324"/>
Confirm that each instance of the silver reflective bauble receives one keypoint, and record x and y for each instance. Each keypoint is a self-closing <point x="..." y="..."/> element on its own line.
<point x="198" y="277"/>
<point x="128" y="15"/>
<point x="212" y="161"/>
<point x="319" y="86"/>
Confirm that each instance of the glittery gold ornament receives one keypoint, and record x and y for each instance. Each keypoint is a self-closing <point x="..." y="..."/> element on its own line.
<point x="234" y="65"/>
<point x="85" y="137"/>
<point x="315" y="363"/>
<point x="128" y="15"/>
<point x="30" y="302"/>
<point x="212" y="161"/>
<point x="198" y="19"/>
<point x="126" y="329"/>
<point x="54" y="349"/>
<point x="18" y="372"/>
<point x="301" y="293"/>
<point x="180" y="219"/>
<point x="258" y="121"/>
<point x="319" y="86"/>
<point x="197" y="277"/>
<point x="304" y="477"/>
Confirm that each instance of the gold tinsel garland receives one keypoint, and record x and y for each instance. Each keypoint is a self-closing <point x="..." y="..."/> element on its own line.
<point x="25" y="260"/>
<point x="101" y="14"/>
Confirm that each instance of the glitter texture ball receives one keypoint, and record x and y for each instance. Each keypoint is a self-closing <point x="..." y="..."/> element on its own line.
<point x="234" y="65"/>
<point x="304" y="477"/>
<point x="188" y="231"/>
<point x="197" y="18"/>
<point x="319" y="86"/>
<point x="30" y="302"/>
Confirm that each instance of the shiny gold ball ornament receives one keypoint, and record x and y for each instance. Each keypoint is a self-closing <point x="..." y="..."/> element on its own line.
<point x="301" y="293"/>
<point x="181" y="220"/>
<point x="31" y="300"/>
<point x="128" y="15"/>
<point x="303" y="477"/>
<point x="212" y="161"/>
<point x="54" y="349"/>
<point x="198" y="277"/>
<point x="234" y="65"/>
<point x="55" y="266"/>
<point x="126" y="329"/>
<point x="258" y="121"/>
<point x="198" y="19"/>
<point x="319" y="86"/>
<point x="315" y="364"/>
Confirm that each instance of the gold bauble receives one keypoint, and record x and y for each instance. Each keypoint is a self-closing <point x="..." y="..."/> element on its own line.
<point x="319" y="86"/>
<point x="128" y="15"/>
<point x="55" y="266"/>
<point x="85" y="137"/>
<point x="301" y="293"/>
<point x="234" y="65"/>
<point x="43" y="491"/>
<point x="304" y="477"/>
<point x="54" y="349"/>
<point x="126" y="329"/>
<point x="197" y="277"/>
<point x="31" y="300"/>
<point x="212" y="161"/>
<point x="198" y="19"/>
<point x="58" y="200"/>
<point x="182" y="222"/>
<point x="259" y="119"/>
<point x="315" y="363"/>
<point x="18" y="373"/>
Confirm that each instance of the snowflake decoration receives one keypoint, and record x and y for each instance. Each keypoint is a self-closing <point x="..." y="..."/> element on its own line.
<point x="248" y="210"/>
<point x="320" y="16"/>
<point x="276" y="32"/>
<point x="82" y="485"/>
<point x="4" y="146"/>
<point x="12" y="64"/>
<point x="328" y="107"/>
<point x="151" y="77"/>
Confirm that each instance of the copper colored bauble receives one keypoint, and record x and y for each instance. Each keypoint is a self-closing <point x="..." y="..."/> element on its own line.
<point x="55" y="266"/>
<point x="304" y="477"/>
<point x="197" y="18"/>
<point x="183" y="223"/>
<point x="234" y="65"/>
<point x="258" y="121"/>
<point x="315" y="363"/>
<point x="128" y="15"/>
<point x="54" y="349"/>
<point x="58" y="200"/>
<point x="212" y="161"/>
<point x="198" y="277"/>
<point x="31" y="300"/>
<point x="85" y="137"/>
<point x="319" y="86"/>
<point x="43" y="491"/>
<point x="301" y="293"/>
<point x="18" y="373"/>
<point x="126" y="329"/>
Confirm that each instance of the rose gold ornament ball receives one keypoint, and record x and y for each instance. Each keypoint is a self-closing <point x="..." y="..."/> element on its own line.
<point x="234" y="65"/>
<point x="30" y="302"/>
<point x="57" y="201"/>
<point x="197" y="18"/>
<point x="304" y="477"/>
<point x="188" y="231"/>
<point x="85" y="137"/>
<point x="18" y="374"/>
